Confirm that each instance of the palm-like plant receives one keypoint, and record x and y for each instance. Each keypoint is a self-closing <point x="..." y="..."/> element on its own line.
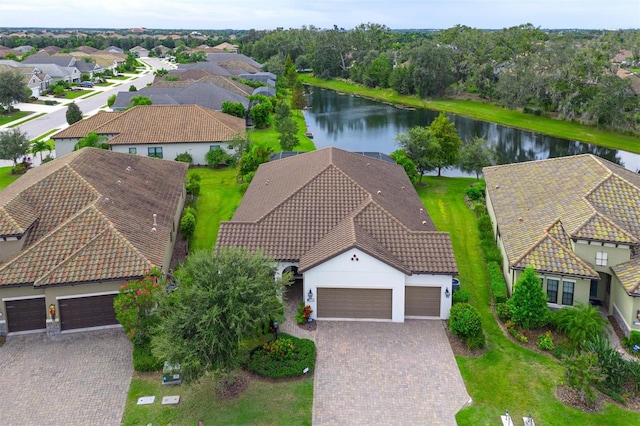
<point x="581" y="323"/>
<point x="92" y="140"/>
<point x="40" y="147"/>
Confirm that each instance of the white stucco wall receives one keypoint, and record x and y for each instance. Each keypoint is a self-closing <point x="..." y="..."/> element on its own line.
<point x="366" y="272"/>
<point x="429" y="280"/>
<point x="64" y="146"/>
<point x="170" y="151"/>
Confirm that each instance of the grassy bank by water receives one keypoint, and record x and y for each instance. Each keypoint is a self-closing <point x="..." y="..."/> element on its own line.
<point x="487" y="112"/>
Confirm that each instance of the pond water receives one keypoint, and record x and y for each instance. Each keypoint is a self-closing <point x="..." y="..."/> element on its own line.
<point x="358" y="124"/>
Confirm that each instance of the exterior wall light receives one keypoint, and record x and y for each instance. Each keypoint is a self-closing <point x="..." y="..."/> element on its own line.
<point x="446" y="292"/>
<point x="310" y="296"/>
<point x="52" y="311"/>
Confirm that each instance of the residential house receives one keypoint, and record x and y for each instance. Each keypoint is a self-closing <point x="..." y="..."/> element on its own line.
<point x="139" y="52"/>
<point x="267" y="78"/>
<point x="206" y="95"/>
<point x="162" y="131"/>
<point x="186" y="77"/>
<point x="576" y="221"/>
<point x="57" y="67"/>
<point x="114" y="49"/>
<point x="227" y="47"/>
<point x="354" y="229"/>
<point x="35" y="80"/>
<point x="72" y="231"/>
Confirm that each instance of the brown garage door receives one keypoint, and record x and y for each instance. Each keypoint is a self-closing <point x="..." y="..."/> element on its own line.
<point x="354" y="303"/>
<point x="422" y="301"/>
<point x="26" y="314"/>
<point x="81" y="312"/>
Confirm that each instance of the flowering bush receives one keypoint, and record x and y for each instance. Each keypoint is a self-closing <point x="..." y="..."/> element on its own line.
<point x="280" y="349"/>
<point x="135" y="304"/>
<point x="299" y="358"/>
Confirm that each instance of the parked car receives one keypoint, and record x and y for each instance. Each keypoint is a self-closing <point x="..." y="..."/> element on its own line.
<point x="85" y="84"/>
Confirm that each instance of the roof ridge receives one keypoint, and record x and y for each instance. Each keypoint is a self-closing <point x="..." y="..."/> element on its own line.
<point x="8" y="215"/>
<point x="597" y="214"/>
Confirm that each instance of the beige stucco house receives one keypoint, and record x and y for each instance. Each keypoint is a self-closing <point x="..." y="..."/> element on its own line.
<point x="161" y="131"/>
<point x="576" y="221"/>
<point x="73" y="230"/>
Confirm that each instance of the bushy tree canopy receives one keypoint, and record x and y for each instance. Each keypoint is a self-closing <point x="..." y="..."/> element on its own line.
<point x="529" y="303"/>
<point x="12" y="88"/>
<point x="73" y="113"/>
<point x="13" y="145"/>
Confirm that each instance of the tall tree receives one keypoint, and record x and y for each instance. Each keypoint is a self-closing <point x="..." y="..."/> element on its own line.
<point x="433" y="72"/>
<point x="221" y="300"/>
<point x="73" y="113"/>
<point x="444" y="133"/>
<point x="92" y="140"/>
<point x="40" y="146"/>
<point x="401" y="157"/>
<point x="286" y="127"/>
<point x="298" y="99"/>
<point x="12" y="88"/>
<point x="420" y="147"/>
<point x="289" y="73"/>
<point x="475" y="154"/>
<point x="13" y="145"/>
<point x="529" y="303"/>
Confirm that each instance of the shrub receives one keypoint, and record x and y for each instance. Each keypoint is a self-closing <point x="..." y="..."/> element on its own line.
<point x="632" y="340"/>
<point x="491" y="251"/>
<point x="281" y="349"/>
<point x="513" y="330"/>
<point x="476" y="342"/>
<point x="465" y="321"/>
<point x="545" y="342"/>
<point x="50" y="102"/>
<point x="580" y="324"/>
<point x="184" y="157"/>
<point x="480" y="209"/>
<point x="484" y="225"/>
<point x="529" y="302"/>
<point x="268" y="364"/>
<point x="111" y="100"/>
<point x="613" y="366"/>
<point x="473" y="193"/>
<point x="460" y="296"/>
<point x="19" y="169"/>
<point x="503" y="311"/>
<point x="187" y="225"/>
<point x="47" y="159"/>
<point x="193" y="188"/>
<point x="498" y="284"/>
<point x="144" y="360"/>
<point x="583" y="374"/>
<point x="304" y="313"/>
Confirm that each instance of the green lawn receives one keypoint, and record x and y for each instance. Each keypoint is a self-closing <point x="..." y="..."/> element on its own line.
<point x="72" y="94"/>
<point x="219" y="197"/>
<point x="270" y="136"/>
<point x="507" y="376"/>
<point x="263" y="403"/>
<point x="6" y="177"/>
<point x="4" y="119"/>
<point x="487" y="112"/>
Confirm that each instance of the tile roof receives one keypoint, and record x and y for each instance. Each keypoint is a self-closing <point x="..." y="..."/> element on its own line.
<point x="314" y="206"/>
<point x="159" y="124"/>
<point x="89" y="216"/>
<point x="541" y="205"/>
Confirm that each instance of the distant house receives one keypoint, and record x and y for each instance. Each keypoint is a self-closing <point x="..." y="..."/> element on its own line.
<point x="186" y="77"/>
<point x="35" y="80"/>
<point x="356" y="232"/>
<point x="633" y="79"/>
<point x="162" y="131"/>
<point x="576" y="221"/>
<point x="49" y="51"/>
<point x="23" y="49"/>
<point x="227" y="47"/>
<point x="139" y="52"/>
<point x="74" y="230"/>
<point x="206" y="95"/>
<point x="4" y="51"/>
<point x="267" y="78"/>
<point x="113" y="49"/>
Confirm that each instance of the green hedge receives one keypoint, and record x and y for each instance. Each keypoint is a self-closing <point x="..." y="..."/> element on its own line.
<point x="144" y="360"/>
<point x="465" y="322"/>
<point x="304" y="356"/>
<point x="498" y="284"/>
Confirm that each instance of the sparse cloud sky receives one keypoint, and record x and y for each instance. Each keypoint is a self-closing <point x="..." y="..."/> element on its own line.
<point x="270" y="14"/>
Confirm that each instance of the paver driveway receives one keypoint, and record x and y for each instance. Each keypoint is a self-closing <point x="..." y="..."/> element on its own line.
<point x="72" y="379"/>
<point x="371" y="373"/>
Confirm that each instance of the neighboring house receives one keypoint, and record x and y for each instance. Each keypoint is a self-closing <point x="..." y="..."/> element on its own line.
<point x="265" y="90"/>
<point x="633" y="79"/>
<point x="58" y="73"/>
<point x="63" y="61"/>
<point x="88" y="68"/>
<point x="113" y="49"/>
<point x="49" y="51"/>
<point x="203" y="76"/>
<point x="576" y="221"/>
<point x="206" y="95"/>
<point x="222" y="57"/>
<point x="72" y="231"/>
<point x="267" y="78"/>
<point x="139" y="52"/>
<point x="23" y="49"/>
<point x="34" y="79"/>
<point x="4" y="51"/>
<point x="162" y="131"/>
<point x="355" y="229"/>
<point x="227" y="47"/>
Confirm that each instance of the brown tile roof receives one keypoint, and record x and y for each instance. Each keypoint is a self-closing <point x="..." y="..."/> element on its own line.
<point x="91" y="215"/>
<point x="541" y="205"/>
<point x="314" y="206"/>
<point x="196" y="75"/>
<point x="629" y="275"/>
<point x="159" y="124"/>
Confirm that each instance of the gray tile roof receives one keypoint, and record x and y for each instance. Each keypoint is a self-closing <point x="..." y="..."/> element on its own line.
<point x="314" y="206"/>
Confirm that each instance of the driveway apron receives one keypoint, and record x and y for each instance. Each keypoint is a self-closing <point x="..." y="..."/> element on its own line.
<point x="370" y="373"/>
<point x="70" y="379"/>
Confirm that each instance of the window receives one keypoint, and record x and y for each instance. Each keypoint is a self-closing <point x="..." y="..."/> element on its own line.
<point x="601" y="258"/>
<point x="133" y="150"/>
<point x="552" y="290"/>
<point x="567" y="292"/>
<point x="212" y="147"/>
<point x="155" y="151"/>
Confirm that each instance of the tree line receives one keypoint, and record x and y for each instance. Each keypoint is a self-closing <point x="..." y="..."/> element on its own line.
<point x="565" y="74"/>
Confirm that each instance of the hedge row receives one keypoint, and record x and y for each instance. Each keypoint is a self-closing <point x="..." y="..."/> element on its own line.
<point x="498" y="284"/>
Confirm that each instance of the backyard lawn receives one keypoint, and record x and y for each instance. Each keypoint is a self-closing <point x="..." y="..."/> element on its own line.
<point x="507" y="376"/>
<point x="6" y="177"/>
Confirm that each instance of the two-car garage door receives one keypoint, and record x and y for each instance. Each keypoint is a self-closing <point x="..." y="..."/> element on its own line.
<point x="358" y="303"/>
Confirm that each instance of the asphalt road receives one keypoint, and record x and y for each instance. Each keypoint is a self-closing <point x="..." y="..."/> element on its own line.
<point x="57" y="118"/>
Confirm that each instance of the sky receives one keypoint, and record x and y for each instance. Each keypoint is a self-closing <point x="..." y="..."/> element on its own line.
<point x="271" y="14"/>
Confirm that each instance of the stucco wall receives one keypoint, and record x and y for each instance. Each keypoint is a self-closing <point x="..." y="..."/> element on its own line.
<point x="11" y="247"/>
<point x="366" y="272"/>
<point x="171" y="151"/>
<point x="625" y="307"/>
<point x="615" y="255"/>
<point x="580" y="289"/>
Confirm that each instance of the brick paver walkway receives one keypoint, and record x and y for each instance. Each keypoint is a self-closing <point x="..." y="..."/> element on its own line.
<point x="370" y="373"/>
<point x="71" y="379"/>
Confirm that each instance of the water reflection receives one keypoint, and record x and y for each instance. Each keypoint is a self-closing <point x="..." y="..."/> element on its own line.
<point x="358" y="124"/>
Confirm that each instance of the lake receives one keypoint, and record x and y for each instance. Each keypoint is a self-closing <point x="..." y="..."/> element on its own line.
<point x="357" y="124"/>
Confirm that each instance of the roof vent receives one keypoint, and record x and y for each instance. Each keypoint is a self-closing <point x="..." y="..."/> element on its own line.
<point x="497" y="186"/>
<point x="403" y="187"/>
<point x="155" y="223"/>
<point x="153" y="230"/>
<point x="266" y="182"/>
<point x="424" y="222"/>
<point x="379" y="192"/>
<point x="128" y="168"/>
<point x="368" y="164"/>
<point x="520" y="219"/>
<point x="119" y="182"/>
<point x="106" y="200"/>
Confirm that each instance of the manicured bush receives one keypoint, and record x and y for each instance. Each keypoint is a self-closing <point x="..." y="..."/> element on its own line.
<point x="144" y="360"/>
<point x="304" y="313"/>
<point x="460" y="296"/>
<point x="464" y="321"/>
<point x="484" y="225"/>
<point x="498" y="284"/>
<point x="503" y="311"/>
<point x="529" y="302"/>
<point x="480" y="209"/>
<point x="187" y="225"/>
<point x="193" y="188"/>
<point x="184" y="157"/>
<point x="491" y="252"/>
<point x="473" y="193"/>
<point x="268" y="362"/>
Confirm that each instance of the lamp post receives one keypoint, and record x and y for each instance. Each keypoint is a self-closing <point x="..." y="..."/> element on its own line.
<point x="275" y="328"/>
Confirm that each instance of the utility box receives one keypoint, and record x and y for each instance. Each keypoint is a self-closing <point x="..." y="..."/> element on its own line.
<point x="171" y="374"/>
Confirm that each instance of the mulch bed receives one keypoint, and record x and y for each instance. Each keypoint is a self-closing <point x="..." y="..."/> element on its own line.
<point x="458" y="346"/>
<point x="180" y="251"/>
